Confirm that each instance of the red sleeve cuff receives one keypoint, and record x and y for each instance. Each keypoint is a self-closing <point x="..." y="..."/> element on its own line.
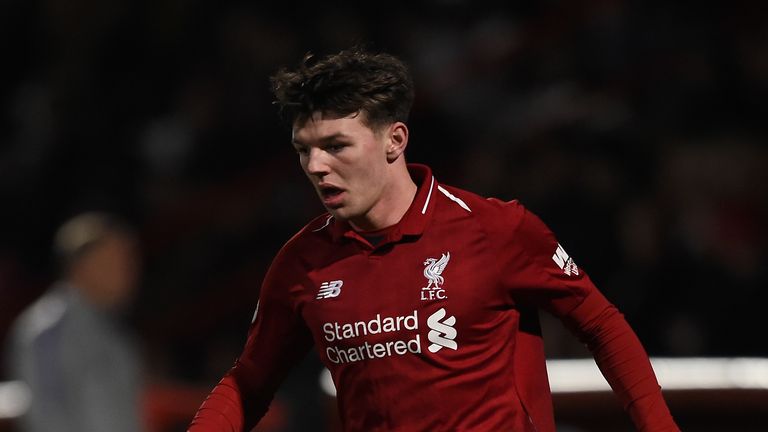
<point x="222" y="410"/>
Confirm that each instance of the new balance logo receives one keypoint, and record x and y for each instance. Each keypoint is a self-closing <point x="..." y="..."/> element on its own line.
<point x="330" y="289"/>
<point x="442" y="333"/>
<point x="565" y="262"/>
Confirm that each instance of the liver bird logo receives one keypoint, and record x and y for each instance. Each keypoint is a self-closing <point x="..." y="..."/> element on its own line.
<point x="433" y="270"/>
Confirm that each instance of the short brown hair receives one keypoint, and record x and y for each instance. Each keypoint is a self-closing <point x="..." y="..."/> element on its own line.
<point x="376" y="84"/>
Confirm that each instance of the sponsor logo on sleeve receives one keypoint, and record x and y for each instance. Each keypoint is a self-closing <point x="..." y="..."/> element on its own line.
<point x="565" y="262"/>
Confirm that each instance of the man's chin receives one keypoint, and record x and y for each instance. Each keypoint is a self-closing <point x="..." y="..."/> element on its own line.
<point x="338" y="212"/>
<point x="343" y="213"/>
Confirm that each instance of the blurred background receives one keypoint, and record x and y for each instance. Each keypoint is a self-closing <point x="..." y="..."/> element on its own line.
<point x="635" y="129"/>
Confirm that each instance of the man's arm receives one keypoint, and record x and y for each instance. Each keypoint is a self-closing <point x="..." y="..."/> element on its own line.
<point x="222" y="410"/>
<point x="622" y="360"/>
<point x="541" y="273"/>
<point x="277" y="340"/>
<point x="45" y="379"/>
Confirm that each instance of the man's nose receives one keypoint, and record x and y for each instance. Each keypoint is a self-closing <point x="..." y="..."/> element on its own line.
<point x="317" y="163"/>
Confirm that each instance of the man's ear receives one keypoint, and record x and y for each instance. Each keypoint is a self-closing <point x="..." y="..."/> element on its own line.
<point x="398" y="141"/>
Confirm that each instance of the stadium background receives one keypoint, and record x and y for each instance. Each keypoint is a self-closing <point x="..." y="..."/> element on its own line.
<point x="635" y="129"/>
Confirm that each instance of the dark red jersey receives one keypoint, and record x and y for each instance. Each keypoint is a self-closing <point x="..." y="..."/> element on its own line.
<point x="435" y="328"/>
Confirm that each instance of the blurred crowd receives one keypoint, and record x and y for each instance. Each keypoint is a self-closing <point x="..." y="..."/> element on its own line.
<point x="635" y="129"/>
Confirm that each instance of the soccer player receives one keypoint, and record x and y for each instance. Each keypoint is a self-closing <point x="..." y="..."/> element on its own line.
<point x="422" y="299"/>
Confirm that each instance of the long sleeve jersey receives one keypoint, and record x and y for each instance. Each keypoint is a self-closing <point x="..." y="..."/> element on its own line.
<point x="434" y="327"/>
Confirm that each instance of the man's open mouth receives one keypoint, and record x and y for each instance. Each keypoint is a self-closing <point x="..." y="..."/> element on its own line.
<point x="330" y="191"/>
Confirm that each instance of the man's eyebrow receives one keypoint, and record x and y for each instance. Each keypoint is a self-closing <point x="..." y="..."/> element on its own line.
<point x="323" y="140"/>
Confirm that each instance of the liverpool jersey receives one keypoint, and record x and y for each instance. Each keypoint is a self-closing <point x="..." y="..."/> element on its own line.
<point x="432" y="324"/>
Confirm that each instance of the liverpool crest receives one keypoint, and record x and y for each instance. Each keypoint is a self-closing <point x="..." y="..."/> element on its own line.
<point x="433" y="270"/>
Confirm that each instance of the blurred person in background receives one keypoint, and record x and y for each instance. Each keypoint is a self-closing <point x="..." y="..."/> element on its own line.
<point x="71" y="346"/>
<point x="421" y="299"/>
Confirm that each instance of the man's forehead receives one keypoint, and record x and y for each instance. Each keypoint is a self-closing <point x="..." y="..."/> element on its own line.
<point x="321" y="126"/>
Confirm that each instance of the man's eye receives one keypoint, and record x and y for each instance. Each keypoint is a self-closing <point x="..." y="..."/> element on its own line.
<point x="301" y="150"/>
<point x="335" y="148"/>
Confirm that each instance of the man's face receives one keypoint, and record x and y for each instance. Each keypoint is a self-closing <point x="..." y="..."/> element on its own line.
<point x="109" y="272"/>
<point x="346" y="161"/>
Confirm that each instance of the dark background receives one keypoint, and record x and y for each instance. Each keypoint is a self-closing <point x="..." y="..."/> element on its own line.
<point x="635" y="129"/>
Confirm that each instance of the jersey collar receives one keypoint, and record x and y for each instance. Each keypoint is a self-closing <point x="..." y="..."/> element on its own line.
<point x="412" y="223"/>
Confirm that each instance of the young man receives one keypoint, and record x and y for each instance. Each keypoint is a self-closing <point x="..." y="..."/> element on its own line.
<point x="420" y="298"/>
